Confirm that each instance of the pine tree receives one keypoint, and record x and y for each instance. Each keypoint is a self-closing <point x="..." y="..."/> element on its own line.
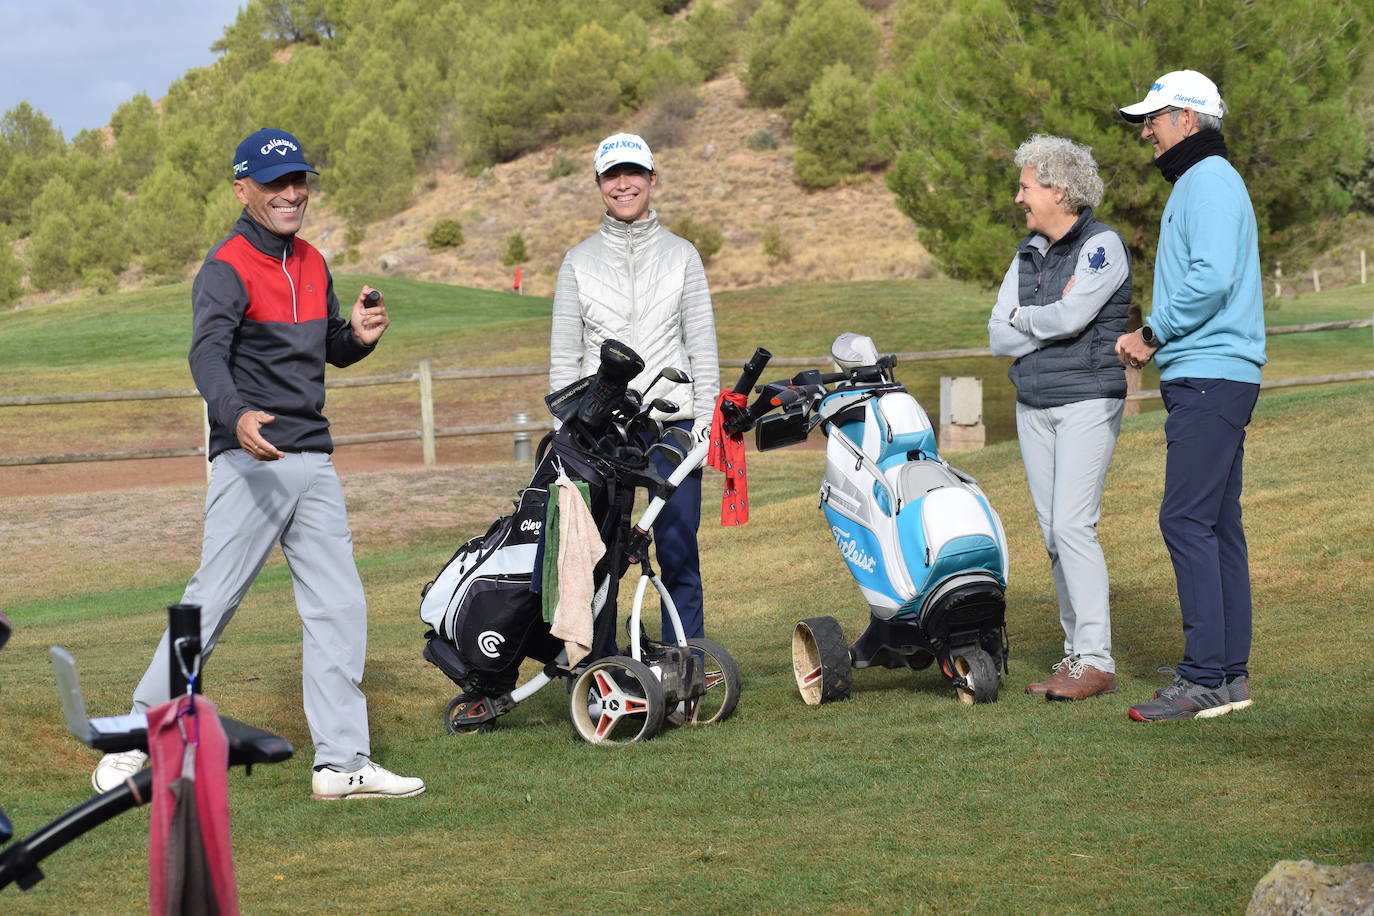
<point x="374" y="173"/>
<point x="981" y="76"/>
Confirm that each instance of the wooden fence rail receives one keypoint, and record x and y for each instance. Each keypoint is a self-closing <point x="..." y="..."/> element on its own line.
<point x="425" y="376"/>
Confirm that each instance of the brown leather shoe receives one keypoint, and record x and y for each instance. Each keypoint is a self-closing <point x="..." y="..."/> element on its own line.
<point x="1058" y="674"/>
<point x="1083" y="681"/>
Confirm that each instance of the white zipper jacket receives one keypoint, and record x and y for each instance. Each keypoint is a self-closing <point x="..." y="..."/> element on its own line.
<point x="643" y="286"/>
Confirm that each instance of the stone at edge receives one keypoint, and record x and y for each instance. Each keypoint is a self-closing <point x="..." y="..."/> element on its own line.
<point x="1308" y="889"/>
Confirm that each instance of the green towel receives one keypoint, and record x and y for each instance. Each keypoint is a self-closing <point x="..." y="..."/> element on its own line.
<point x="549" y="573"/>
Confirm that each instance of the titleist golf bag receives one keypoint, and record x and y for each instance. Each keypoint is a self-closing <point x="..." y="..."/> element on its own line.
<point x="921" y="540"/>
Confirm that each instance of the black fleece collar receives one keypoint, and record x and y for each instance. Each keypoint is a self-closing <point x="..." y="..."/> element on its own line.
<point x="1040" y="244"/>
<point x="1189" y="151"/>
<point x="262" y="238"/>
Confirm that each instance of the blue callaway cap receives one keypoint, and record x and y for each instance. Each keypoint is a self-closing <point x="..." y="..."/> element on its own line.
<point x="269" y="154"/>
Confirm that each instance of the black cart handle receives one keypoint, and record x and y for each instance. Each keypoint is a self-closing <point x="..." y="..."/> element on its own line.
<point x="749" y="377"/>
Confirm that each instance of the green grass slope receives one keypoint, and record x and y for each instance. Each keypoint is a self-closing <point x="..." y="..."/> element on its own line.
<point x="138" y="340"/>
<point x="899" y="800"/>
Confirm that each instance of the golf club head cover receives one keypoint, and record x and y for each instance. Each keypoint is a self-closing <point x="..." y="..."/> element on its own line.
<point x="619" y="366"/>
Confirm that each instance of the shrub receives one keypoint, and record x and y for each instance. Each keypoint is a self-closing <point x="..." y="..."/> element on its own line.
<point x="775" y="247"/>
<point x="561" y="167"/>
<point x="706" y="237"/>
<point x="374" y="173"/>
<point x="790" y="51"/>
<point x="99" y="280"/>
<point x="446" y="233"/>
<point x="516" y="252"/>
<point x="834" y="139"/>
<point x="671" y="116"/>
<point x="763" y="139"/>
<point x="11" y="269"/>
<point x="166" y="222"/>
<point x="588" y="72"/>
<point x="711" y="38"/>
<point x="661" y="71"/>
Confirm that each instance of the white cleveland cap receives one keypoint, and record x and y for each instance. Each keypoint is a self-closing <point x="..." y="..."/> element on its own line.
<point x="621" y="148"/>
<point x="1179" y="89"/>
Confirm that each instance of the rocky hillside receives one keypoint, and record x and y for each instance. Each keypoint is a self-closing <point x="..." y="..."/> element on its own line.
<point x="715" y="172"/>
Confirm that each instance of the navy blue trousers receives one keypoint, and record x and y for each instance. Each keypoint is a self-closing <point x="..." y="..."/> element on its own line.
<point x="1201" y="524"/>
<point x="675" y="548"/>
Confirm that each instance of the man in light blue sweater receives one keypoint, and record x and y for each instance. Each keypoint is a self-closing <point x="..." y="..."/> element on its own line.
<point x="1206" y="333"/>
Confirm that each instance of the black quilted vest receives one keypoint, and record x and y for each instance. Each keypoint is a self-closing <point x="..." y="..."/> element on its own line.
<point x="1078" y="368"/>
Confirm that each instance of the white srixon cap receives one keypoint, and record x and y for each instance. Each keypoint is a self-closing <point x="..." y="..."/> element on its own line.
<point x="620" y="148"/>
<point x="1179" y="89"/>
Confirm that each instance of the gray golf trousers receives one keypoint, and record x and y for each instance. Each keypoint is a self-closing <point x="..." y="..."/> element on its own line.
<point x="295" y="501"/>
<point x="1066" y="451"/>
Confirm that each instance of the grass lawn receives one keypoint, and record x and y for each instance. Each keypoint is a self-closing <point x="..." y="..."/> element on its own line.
<point x="900" y="800"/>
<point x="137" y="341"/>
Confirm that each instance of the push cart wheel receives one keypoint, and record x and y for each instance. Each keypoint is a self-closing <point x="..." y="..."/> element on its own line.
<point x="457" y="717"/>
<point x="976" y="678"/>
<point x="615" y="701"/>
<point x="723" y="686"/>
<point x="820" y="661"/>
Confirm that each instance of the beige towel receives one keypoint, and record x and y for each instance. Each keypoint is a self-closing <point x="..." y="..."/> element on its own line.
<point x="579" y="549"/>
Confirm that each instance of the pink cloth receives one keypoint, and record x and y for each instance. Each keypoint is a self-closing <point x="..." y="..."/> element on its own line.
<point x="167" y="751"/>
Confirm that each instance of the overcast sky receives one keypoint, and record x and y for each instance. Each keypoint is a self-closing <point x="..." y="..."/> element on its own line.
<point x="77" y="60"/>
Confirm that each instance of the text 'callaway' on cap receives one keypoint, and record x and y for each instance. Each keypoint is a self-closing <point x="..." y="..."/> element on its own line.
<point x="268" y="154"/>
<point x="621" y="148"/>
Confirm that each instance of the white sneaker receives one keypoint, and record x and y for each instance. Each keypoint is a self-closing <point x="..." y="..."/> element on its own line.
<point x="114" y="769"/>
<point x="371" y="781"/>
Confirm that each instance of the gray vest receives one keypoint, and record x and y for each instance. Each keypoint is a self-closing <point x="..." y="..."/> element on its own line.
<point x="1078" y="368"/>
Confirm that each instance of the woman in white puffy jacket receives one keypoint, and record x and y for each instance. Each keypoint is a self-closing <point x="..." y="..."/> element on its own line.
<point x="636" y="282"/>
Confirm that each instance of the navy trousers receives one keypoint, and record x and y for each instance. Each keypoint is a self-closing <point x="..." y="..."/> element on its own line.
<point x="675" y="547"/>
<point x="1201" y="524"/>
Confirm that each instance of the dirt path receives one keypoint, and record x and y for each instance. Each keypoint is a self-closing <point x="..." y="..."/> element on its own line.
<point x="101" y="476"/>
<point x="143" y="521"/>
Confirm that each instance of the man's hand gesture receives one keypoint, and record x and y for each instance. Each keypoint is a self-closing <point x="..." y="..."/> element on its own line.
<point x="249" y="432"/>
<point x="369" y="319"/>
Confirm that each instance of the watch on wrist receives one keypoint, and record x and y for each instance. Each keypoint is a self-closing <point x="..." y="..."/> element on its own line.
<point x="1147" y="335"/>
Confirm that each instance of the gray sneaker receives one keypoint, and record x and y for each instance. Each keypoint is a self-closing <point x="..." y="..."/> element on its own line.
<point x="1239" y="690"/>
<point x="1184" y="700"/>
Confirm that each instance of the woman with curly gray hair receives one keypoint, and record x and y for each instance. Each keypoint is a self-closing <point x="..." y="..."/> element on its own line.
<point x="1062" y="305"/>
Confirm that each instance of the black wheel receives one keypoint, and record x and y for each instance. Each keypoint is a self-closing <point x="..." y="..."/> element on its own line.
<point x="723" y="686"/>
<point x="465" y="707"/>
<point x="615" y="701"/>
<point x="976" y="678"/>
<point x="820" y="661"/>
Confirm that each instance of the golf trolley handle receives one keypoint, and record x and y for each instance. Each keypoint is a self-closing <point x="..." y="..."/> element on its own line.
<point x="739" y="420"/>
<point x="19" y="861"/>
<point x="749" y="377"/>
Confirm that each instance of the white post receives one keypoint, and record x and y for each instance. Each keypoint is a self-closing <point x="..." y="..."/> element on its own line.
<point x="961" y="414"/>
<point x="205" y="438"/>
<point x="1364" y="275"/>
<point x="523" y="452"/>
<point x="1278" y="282"/>
<point x="427" y="412"/>
<point x="1316" y="281"/>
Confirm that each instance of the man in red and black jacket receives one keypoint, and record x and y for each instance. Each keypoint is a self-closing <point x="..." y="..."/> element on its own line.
<point x="265" y="322"/>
